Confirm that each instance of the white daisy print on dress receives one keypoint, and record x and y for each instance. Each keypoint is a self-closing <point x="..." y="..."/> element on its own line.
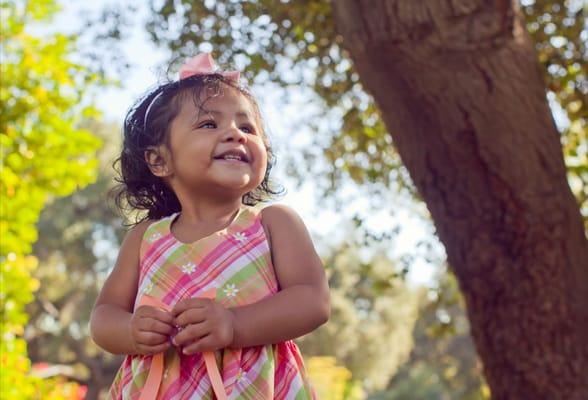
<point x="148" y="287"/>
<point x="188" y="268"/>
<point x="230" y="290"/>
<point x="241" y="379"/>
<point x="241" y="376"/>
<point x="154" y="237"/>
<point x="240" y="236"/>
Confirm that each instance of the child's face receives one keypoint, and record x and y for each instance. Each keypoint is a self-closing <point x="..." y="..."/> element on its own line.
<point x="218" y="150"/>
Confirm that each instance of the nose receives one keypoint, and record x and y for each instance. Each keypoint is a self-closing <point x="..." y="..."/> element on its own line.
<point x="234" y="134"/>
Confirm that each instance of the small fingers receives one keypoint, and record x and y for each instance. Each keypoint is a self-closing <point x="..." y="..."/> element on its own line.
<point x="155" y="326"/>
<point x="207" y="343"/>
<point x="155" y="313"/>
<point x="190" y="316"/>
<point x="148" y="350"/>
<point x="190" y="333"/>
<point x="151" y="338"/>
<point x="187" y="304"/>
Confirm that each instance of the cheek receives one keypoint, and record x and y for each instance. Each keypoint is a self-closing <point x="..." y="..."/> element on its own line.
<point x="196" y="151"/>
<point x="263" y="158"/>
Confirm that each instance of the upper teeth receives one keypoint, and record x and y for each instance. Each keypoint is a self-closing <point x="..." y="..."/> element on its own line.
<point x="232" y="157"/>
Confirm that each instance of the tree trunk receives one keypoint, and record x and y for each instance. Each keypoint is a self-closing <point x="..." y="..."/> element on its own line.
<point x="459" y="88"/>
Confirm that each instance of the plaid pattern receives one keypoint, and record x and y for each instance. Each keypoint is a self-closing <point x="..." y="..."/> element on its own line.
<point x="235" y="262"/>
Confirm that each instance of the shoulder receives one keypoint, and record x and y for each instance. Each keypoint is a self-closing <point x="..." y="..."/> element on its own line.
<point x="132" y="245"/>
<point x="281" y="221"/>
<point x="140" y="228"/>
<point x="279" y="213"/>
<point x="135" y="234"/>
<point x="279" y="216"/>
<point x="293" y="254"/>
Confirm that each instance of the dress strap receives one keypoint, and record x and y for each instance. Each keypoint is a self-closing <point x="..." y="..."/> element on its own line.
<point x="151" y="388"/>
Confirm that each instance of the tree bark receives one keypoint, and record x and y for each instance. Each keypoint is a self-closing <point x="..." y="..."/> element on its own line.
<point x="460" y="90"/>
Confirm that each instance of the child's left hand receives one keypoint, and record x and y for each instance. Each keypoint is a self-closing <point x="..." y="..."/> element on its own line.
<point x="205" y="325"/>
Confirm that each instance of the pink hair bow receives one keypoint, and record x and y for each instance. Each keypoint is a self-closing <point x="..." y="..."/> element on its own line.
<point x="203" y="64"/>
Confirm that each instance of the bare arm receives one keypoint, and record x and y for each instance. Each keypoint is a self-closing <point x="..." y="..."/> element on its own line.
<point x="113" y="325"/>
<point x="302" y="304"/>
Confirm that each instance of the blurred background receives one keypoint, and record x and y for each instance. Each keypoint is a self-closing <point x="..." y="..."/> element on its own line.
<point x="70" y="71"/>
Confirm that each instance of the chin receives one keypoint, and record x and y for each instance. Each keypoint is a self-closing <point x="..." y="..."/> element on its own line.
<point x="243" y="185"/>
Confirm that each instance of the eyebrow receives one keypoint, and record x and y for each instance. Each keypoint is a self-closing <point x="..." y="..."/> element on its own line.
<point x="239" y="114"/>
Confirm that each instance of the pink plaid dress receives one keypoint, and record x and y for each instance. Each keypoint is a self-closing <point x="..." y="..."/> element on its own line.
<point x="236" y="264"/>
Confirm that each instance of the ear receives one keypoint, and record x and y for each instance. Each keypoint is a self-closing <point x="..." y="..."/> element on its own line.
<point x="158" y="161"/>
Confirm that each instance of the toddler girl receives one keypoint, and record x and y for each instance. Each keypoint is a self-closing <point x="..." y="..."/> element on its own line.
<point x="207" y="292"/>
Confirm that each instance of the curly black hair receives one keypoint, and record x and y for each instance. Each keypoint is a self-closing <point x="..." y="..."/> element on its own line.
<point x="147" y="124"/>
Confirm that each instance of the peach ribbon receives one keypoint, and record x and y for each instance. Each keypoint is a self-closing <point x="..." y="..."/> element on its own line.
<point x="203" y="64"/>
<point x="155" y="375"/>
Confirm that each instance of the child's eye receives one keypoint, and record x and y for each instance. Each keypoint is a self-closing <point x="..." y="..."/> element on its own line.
<point x="207" y="125"/>
<point x="247" y="129"/>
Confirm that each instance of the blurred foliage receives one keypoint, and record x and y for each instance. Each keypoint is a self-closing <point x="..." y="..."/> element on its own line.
<point x="43" y="154"/>
<point x="371" y="310"/>
<point x="296" y="44"/>
<point x="331" y="381"/>
<point x="16" y="290"/>
<point x="560" y="32"/>
<point x="59" y="388"/>
<point x="443" y="364"/>
<point x="42" y="150"/>
<point x="79" y="236"/>
<point x="100" y="33"/>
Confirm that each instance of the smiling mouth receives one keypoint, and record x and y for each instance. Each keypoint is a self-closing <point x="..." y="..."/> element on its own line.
<point x="233" y="156"/>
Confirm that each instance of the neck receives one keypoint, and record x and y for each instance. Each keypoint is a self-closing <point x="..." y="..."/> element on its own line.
<point x="202" y="209"/>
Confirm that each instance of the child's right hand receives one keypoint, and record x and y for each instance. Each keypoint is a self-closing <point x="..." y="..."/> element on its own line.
<point x="151" y="329"/>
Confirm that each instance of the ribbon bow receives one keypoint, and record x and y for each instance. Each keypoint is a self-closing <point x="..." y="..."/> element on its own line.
<point x="203" y="64"/>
